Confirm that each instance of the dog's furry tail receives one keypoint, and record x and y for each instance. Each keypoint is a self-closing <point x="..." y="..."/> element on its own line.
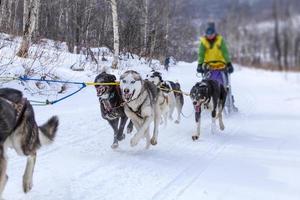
<point x="47" y="131"/>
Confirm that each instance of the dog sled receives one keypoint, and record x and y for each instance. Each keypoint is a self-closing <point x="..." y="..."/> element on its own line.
<point x="222" y="77"/>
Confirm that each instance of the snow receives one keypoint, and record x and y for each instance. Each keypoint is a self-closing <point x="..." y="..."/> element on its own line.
<point x="256" y="157"/>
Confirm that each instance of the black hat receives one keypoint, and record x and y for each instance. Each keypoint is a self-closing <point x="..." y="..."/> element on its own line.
<point x="210" y="29"/>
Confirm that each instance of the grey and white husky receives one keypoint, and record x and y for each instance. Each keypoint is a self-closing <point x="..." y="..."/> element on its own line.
<point x="19" y="130"/>
<point x="173" y="92"/>
<point x="141" y="106"/>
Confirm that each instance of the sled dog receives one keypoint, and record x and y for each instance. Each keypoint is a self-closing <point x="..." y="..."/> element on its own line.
<point x="172" y="91"/>
<point x="19" y="130"/>
<point x="111" y="108"/>
<point x="141" y="106"/>
<point x="208" y="95"/>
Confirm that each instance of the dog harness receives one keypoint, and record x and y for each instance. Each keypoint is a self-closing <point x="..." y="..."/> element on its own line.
<point x="138" y="112"/>
<point x="19" y="108"/>
<point x="110" y="109"/>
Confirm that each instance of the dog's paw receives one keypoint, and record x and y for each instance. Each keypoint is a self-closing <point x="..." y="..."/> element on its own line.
<point x="177" y="122"/>
<point x="121" y="137"/>
<point x="195" y="137"/>
<point x="147" y="145"/>
<point x="6" y="179"/>
<point x="222" y="127"/>
<point x="214" y="129"/>
<point x="114" y="145"/>
<point x="134" y="141"/>
<point x="153" y="141"/>
<point x="27" y="186"/>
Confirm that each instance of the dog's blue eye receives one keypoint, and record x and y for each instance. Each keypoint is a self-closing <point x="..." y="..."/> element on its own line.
<point x="132" y="82"/>
<point x="124" y="81"/>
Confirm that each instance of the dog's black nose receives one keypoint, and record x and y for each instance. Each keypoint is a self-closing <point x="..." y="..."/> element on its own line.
<point x="195" y="103"/>
<point x="126" y="91"/>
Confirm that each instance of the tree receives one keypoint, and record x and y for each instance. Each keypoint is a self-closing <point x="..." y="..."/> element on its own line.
<point x="30" y="16"/>
<point x="114" y="11"/>
<point x="276" y="34"/>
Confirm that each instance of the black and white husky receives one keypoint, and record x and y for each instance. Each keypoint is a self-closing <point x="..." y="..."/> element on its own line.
<point x="141" y="106"/>
<point x="111" y="101"/>
<point x="19" y="130"/>
<point x="173" y="92"/>
<point x="210" y="95"/>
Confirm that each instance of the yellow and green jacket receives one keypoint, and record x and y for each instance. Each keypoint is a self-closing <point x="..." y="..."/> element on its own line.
<point x="212" y="52"/>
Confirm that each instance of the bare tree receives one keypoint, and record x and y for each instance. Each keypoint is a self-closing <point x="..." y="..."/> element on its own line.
<point x="30" y="14"/>
<point x="146" y="23"/>
<point x="114" y="11"/>
<point x="3" y="10"/>
<point x="276" y="34"/>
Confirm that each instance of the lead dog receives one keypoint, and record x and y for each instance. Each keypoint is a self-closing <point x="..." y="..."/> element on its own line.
<point x="208" y="94"/>
<point x="141" y="106"/>
<point x="173" y="91"/>
<point x="111" y="101"/>
<point x="19" y="130"/>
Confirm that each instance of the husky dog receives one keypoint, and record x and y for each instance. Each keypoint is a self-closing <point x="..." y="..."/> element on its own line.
<point x="141" y="106"/>
<point x="175" y="96"/>
<point x="208" y="94"/>
<point x="19" y="130"/>
<point x="110" y="100"/>
<point x="162" y="98"/>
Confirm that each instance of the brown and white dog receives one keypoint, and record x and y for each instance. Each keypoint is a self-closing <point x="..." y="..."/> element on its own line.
<point x="19" y="130"/>
<point x="141" y="106"/>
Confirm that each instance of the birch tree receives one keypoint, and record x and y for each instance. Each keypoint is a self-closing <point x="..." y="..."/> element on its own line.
<point x="15" y="17"/>
<point x="30" y="15"/>
<point x="3" y="9"/>
<point x="114" y="12"/>
<point x="146" y="15"/>
<point x="9" y="14"/>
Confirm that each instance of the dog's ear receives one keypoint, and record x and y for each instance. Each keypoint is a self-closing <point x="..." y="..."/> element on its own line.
<point x="97" y="77"/>
<point x="193" y="89"/>
<point x="112" y="78"/>
<point x="198" y="84"/>
<point x="158" y="74"/>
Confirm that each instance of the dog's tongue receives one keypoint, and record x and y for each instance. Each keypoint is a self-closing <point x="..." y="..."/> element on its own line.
<point x="198" y="108"/>
<point x="107" y="105"/>
<point x="127" y="96"/>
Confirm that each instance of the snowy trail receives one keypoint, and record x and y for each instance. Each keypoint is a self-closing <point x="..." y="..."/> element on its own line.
<point x="256" y="157"/>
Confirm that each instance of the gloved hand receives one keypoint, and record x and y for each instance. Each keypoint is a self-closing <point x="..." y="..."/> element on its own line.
<point x="200" y="69"/>
<point x="229" y="68"/>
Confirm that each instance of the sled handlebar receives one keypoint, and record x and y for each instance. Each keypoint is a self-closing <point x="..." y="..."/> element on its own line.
<point x="215" y="61"/>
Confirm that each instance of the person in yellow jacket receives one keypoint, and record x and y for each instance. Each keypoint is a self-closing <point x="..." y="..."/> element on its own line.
<point x="214" y="61"/>
<point x="213" y="54"/>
